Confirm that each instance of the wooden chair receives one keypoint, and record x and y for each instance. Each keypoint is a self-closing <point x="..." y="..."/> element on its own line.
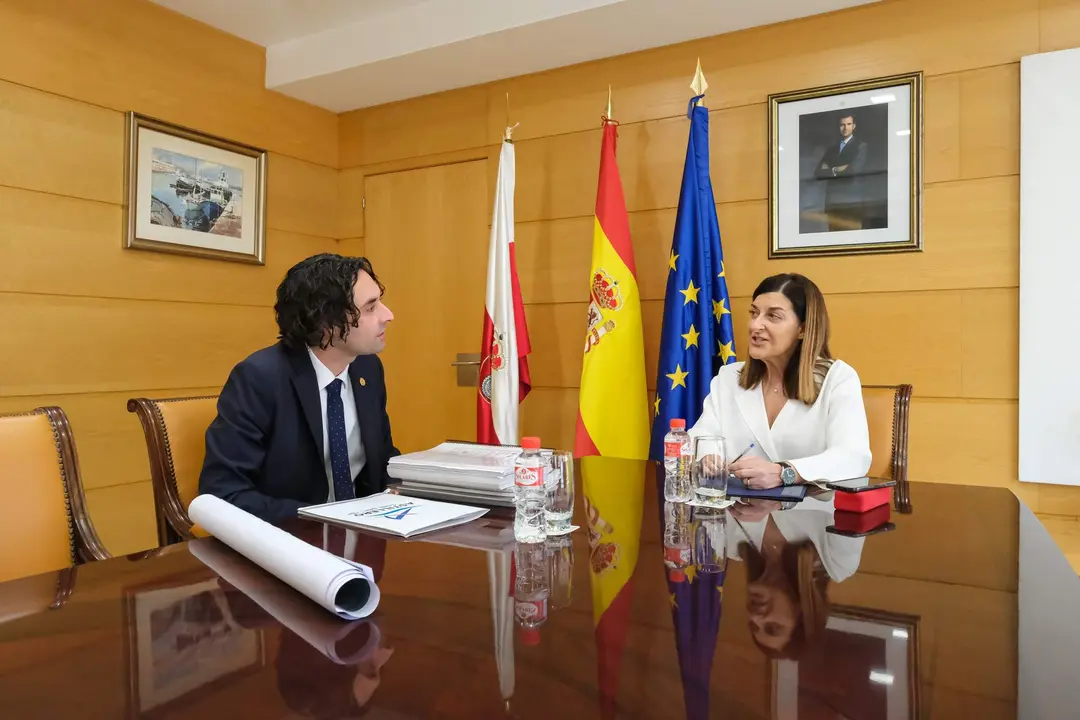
<point x="44" y="523"/>
<point x="175" y="430"/>
<point x="887" y="411"/>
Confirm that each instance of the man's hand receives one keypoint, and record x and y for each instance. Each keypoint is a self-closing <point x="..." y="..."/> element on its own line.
<point x="757" y="473"/>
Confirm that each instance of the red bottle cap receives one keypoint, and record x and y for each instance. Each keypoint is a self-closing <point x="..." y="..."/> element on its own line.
<point x="678" y="424"/>
<point x="530" y="636"/>
<point x="676" y="576"/>
<point x="530" y="443"/>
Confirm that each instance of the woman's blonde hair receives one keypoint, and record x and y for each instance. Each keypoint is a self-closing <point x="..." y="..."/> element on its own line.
<point x="808" y="588"/>
<point x="810" y="362"/>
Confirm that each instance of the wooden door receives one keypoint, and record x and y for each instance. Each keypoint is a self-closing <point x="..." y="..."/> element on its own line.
<point x="427" y="239"/>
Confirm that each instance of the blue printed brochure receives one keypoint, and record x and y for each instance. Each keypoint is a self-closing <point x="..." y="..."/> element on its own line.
<point x="393" y="514"/>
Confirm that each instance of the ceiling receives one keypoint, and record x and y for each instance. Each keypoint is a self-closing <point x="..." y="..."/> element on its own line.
<point x="348" y="54"/>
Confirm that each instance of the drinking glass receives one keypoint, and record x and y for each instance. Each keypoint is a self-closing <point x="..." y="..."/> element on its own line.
<point x="710" y="539"/>
<point x="559" y="487"/>
<point x="709" y="471"/>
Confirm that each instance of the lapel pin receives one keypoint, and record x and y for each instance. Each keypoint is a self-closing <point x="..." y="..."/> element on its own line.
<point x="362" y="382"/>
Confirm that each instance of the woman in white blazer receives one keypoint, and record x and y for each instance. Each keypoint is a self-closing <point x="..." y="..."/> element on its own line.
<point x="800" y="409"/>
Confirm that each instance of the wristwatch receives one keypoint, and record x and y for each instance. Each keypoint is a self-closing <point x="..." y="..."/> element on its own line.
<point x="787" y="473"/>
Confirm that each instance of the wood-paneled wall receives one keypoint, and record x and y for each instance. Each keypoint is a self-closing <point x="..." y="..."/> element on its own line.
<point x="945" y="320"/>
<point x="84" y="323"/>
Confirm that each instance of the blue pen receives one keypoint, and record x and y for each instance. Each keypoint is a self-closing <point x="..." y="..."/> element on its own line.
<point x="743" y="453"/>
<point x="731" y="474"/>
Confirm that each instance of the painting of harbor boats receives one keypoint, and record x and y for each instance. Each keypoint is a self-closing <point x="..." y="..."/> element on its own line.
<point x="194" y="194"/>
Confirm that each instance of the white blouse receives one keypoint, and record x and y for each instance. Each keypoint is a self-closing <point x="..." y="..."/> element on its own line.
<point x="828" y="440"/>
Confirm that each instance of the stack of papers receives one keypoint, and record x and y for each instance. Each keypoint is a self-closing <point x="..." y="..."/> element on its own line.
<point x="459" y="472"/>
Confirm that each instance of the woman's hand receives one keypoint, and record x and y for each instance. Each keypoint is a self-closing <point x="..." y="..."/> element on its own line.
<point x="757" y="473"/>
<point x="755" y="509"/>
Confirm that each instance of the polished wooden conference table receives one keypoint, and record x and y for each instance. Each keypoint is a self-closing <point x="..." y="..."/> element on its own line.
<point x="965" y="609"/>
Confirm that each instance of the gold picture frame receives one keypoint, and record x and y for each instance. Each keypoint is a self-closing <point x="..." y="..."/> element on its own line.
<point x="845" y="168"/>
<point x="182" y="639"/>
<point x="191" y="193"/>
<point x="895" y="636"/>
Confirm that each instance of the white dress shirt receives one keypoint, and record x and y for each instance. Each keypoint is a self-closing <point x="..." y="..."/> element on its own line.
<point x="323" y="377"/>
<point x="829" y="440"/>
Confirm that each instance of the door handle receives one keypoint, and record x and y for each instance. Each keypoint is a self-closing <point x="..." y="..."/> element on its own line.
<point x="468" y="369"/>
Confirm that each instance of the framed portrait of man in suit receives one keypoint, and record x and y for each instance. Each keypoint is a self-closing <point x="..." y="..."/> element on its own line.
<point x="845" y="168"/>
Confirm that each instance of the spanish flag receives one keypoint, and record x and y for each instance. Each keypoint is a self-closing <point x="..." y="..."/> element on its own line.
<point x="613" y="410"/>
<point x="614" y="492"/>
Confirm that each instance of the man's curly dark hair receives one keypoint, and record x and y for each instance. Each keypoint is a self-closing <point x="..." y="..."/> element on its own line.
<point x="316" y="296"/>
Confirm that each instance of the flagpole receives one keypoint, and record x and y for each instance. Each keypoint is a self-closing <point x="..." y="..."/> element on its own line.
<point x="609" y="117"/>
<point x="509" y="128"/>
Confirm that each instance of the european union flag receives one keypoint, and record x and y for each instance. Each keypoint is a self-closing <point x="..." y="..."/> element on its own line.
<point x="697" y="335"/>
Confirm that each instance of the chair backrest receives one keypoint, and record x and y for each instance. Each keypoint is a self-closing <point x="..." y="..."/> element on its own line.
<point x="887" y="412"/>
<point x="175" y="430"/>
<point x="44" y="524"/>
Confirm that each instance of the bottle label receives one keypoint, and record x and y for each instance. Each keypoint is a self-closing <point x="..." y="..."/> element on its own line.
<point x="673" y="449"/>
<point x="677" y="556"/>
<point x="529" y="476"/>
<point x="531" y="611"/>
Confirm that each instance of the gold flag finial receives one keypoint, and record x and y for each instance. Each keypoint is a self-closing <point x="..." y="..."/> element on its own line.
<point x="699" y="86"/>
<point x="609" y="102"/>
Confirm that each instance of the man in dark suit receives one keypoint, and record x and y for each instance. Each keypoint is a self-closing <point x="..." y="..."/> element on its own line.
<point x="304" y="421"/>
<point x="840" y="168"/>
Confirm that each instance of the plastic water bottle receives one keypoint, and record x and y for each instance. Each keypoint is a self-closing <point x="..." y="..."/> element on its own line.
<point x="531" y="590"/>
<point x="677" y="537"/>
<point x="529" y="493"/>
<point x="677" y="463"/>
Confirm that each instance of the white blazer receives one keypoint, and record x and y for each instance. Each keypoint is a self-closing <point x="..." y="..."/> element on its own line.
<point x="828" y="440"/>
<point x="806" y="521"/>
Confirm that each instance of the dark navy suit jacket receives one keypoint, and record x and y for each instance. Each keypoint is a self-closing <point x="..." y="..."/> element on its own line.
<point x="264" y="450"/>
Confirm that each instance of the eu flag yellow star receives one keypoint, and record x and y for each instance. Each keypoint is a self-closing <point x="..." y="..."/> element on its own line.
<point x="719" y="308"/>
<point x="690" y="293"/>
<point x="691" y="337"/>
<point x="656" y="405"/>
<point x="672" y="601"/>
<point x="678" y="377"/>
<point x="691" y="573"/>
<point x="671" y="260"/>
<point x="723" y="270"/>
<point x="726" y="353"/>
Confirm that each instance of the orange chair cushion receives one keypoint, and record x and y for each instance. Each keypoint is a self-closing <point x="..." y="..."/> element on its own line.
<point x="34" y="531"/>
<point x="186" y="422"/>
<point x="880" y="414"/>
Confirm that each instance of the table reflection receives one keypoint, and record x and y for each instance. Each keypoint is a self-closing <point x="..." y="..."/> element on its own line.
<point x="652" y="610"/>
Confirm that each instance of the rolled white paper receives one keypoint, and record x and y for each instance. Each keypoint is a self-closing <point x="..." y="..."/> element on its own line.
<point x="316" y="629"/>
<point x="345" y="588"/>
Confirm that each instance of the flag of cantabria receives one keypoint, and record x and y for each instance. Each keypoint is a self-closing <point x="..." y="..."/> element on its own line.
<point x="613" y="410"/>
<point x="697" y="336"/>
<point x="504" y="366"/>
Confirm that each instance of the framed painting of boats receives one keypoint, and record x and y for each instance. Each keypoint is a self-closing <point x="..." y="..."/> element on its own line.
<point x="193" y="193"/>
